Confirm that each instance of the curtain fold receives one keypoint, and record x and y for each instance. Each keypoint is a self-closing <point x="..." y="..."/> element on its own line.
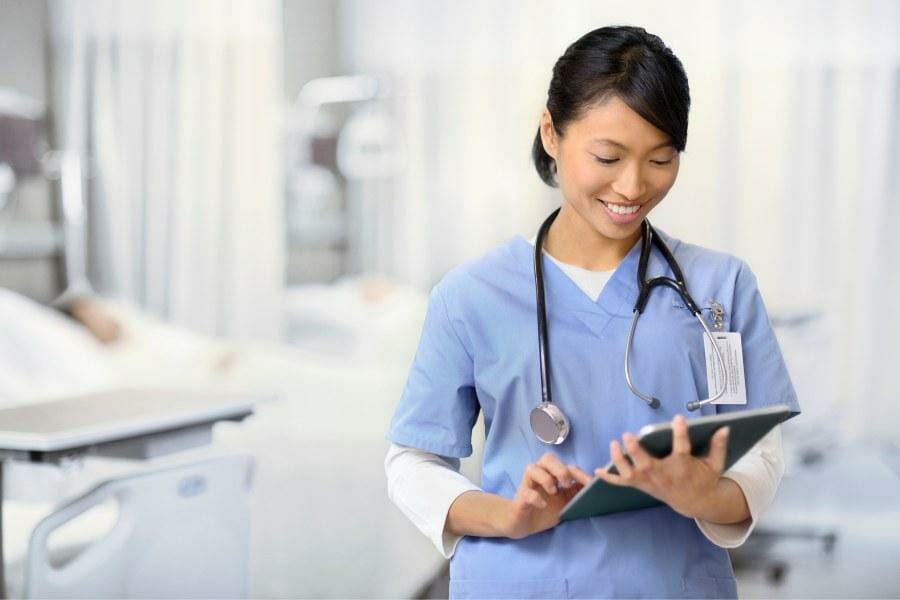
<point x="175" y="106"/>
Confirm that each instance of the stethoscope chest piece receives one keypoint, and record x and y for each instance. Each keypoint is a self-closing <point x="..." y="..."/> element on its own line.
<point x="549" y="423"/>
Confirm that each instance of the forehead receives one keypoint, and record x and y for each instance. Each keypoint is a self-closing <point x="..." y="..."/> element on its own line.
<point x="615" y="120"/>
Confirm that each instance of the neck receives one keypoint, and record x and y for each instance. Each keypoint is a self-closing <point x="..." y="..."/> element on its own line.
<point x="574" y="241"/>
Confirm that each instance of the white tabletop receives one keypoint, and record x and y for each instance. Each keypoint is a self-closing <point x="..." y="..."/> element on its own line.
<point x="78" y="421"/>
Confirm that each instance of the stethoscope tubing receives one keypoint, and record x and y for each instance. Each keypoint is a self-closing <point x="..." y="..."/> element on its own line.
<point x="649" y="238"/>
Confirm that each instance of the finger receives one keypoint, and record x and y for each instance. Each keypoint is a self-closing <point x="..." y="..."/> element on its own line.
<point x="539" y="476"/>
<point x="580" y="476"/>
<point x="531" y="497"/>
<point x="608" y="477"/>
<point x="718" y="449"/>
<point x="618" y="459"/>
<point x="681" y="443"/>
<point x="556" y="468"/>
<point x="642" y="461"/>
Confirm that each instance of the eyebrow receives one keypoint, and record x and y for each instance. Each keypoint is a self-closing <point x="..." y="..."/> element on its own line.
<point x="624" y="147"/>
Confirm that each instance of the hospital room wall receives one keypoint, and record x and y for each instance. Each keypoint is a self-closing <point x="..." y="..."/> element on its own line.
<point x="310" y="50"/>
<point x="21" y="46"/>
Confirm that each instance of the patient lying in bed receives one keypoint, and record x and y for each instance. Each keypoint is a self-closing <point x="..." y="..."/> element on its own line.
<point x="102" y="344"/>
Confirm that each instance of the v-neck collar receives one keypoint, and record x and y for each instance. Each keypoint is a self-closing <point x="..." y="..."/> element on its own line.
<point x="618" y="295"/>
<point x="617" y="298"/>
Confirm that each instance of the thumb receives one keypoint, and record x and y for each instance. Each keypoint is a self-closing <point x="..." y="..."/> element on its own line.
<point x="718" y="449"/>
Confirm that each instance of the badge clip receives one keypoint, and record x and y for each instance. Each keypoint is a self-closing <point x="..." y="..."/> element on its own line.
<point x="718" y="314"/>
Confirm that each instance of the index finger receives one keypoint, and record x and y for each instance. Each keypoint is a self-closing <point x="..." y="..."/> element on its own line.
<point x="564" y="474"/>
<point x="681" y="443"/>
<point x="639" y="456"/>
<point x="580" y="476"/>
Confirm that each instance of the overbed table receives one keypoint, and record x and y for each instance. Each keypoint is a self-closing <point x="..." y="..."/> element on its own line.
<point x="135" y="424"/>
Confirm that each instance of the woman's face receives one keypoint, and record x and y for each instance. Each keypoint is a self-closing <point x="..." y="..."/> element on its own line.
<point x="613" y="167"/>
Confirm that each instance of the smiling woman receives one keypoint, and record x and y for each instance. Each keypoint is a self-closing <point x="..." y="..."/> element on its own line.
<point x="610" y="138"/>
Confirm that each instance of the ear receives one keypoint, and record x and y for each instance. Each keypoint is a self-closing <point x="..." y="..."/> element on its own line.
<point x="548" y="134"/>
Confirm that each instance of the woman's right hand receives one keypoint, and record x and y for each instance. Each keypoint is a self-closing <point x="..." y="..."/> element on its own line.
<point x="547" y="486"/>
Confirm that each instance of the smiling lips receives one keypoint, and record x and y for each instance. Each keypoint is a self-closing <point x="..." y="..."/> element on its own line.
<point x="622" y="209"/>
<point x="622" y="214"/>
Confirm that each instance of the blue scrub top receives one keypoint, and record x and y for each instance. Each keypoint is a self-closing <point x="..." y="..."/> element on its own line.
<point x="479" y="351"/>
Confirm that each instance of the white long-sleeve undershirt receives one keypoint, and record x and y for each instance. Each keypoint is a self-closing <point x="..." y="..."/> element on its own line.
<point x="424" y="486"/>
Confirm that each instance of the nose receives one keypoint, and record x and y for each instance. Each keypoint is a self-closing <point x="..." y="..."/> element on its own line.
<point x="630" y="183"/>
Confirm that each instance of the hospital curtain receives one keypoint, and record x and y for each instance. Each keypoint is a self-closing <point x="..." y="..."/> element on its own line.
<point x="174" y="106"/>
<point x="791" y="163"/>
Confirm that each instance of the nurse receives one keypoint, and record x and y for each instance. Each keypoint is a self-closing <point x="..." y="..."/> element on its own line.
<point x="610" y="138"/>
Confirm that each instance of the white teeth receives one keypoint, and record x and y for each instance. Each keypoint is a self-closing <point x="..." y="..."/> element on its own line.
<point x="622" y="210"/>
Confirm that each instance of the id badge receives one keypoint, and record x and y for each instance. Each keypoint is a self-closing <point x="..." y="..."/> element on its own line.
<point x="729" y="343"/>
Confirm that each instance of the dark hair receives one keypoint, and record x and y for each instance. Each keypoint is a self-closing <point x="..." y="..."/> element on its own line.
<point x="621" y="61"/>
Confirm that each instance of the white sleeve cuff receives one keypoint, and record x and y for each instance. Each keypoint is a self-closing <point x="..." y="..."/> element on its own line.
<point x="758" y="473"/>
<point x="424" y="486"/>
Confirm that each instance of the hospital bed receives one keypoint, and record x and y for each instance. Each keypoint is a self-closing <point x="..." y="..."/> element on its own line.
<point x="177" y="532"/>
<point x="153" y="508"/>
<point x="318" y="447"/>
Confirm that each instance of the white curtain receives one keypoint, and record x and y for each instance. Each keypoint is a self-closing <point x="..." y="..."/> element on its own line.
<point x="792" y="160"/>
<point x="175" y="105"/>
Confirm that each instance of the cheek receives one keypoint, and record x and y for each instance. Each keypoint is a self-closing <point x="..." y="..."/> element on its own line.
<point x="584" y="179"/>
<point x="662" y="182"/>
<point x="666" y="178"/>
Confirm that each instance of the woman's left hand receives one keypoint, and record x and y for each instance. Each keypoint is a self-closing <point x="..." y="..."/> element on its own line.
<point x="684" y="482"/>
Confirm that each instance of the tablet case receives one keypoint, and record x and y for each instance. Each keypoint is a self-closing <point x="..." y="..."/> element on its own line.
<point x="747" y="428"/>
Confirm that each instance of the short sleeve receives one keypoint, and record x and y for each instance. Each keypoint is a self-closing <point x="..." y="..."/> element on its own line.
<point x="438" y="407"/>
<point x="765" y="373"/>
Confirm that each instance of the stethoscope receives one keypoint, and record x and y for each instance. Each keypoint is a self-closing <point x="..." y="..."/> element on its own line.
<point x="548" y="421"/>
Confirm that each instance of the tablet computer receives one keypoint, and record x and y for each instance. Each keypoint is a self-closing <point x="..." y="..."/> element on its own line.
<point x="747" y="428"/>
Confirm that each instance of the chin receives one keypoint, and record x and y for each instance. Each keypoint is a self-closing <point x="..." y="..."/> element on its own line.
<point x="617" y="232"/>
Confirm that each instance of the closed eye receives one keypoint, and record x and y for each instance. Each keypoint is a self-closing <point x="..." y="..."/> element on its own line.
<point x="609" y="161"/>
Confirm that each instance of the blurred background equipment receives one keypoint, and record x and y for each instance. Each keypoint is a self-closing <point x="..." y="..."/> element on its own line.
<point x="24" y="154"/>
<point x="342" y="152"/>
